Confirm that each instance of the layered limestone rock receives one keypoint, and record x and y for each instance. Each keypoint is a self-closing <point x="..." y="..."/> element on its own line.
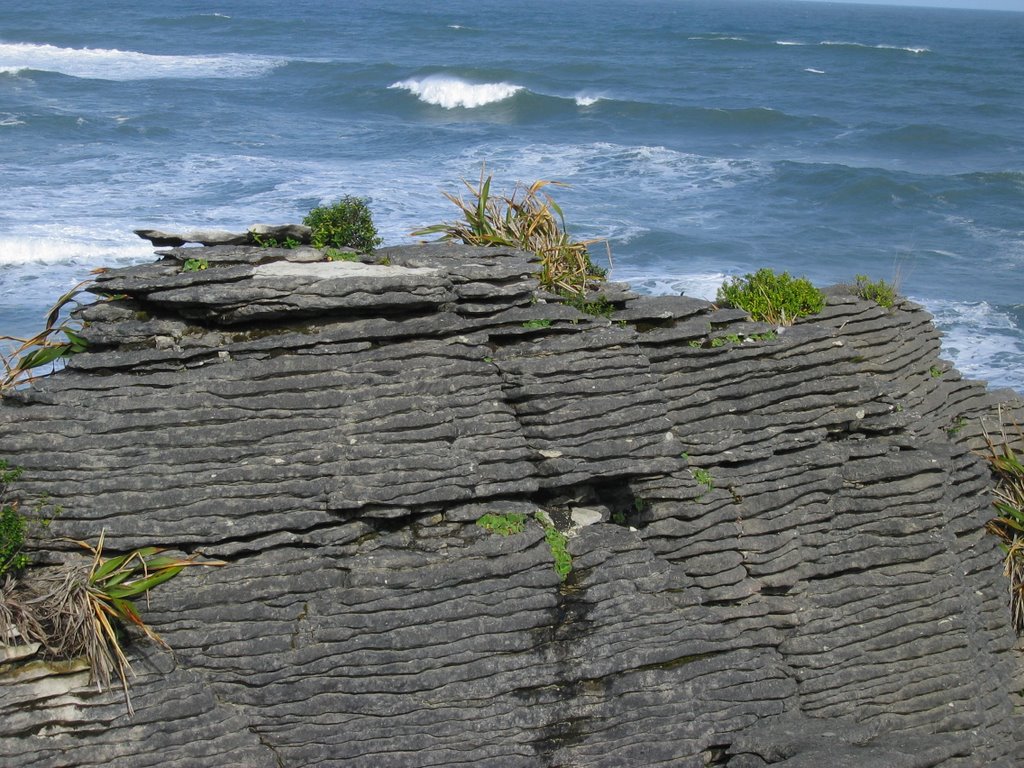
<point x="776" y="537"/>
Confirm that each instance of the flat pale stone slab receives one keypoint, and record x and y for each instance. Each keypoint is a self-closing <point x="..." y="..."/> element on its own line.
<point x="337" y="269"/>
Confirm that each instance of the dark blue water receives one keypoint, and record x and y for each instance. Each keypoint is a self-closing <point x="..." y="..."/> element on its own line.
<point x="704" y="139"/>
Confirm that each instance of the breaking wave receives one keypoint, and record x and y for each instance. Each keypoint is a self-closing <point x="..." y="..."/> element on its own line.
<point x="452" y="92"/>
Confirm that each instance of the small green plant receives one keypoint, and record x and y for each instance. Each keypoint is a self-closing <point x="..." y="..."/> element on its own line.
<point x="333" y="254"/>
<point x="772" y="298"/>
<point x="956" y="426"/>
<point x="503" y="525"/>
<point x="535" y="324"/>
<point x="17" y="527"/>
<point x="347" y="223"/>
<point x="703" y="477"/>
<point x="935" y="371"/>
<point x="12" y="524"/>
<point x="195" y="265"/>
<point x="267" y="241"/>
<point x="599" y="307"/>
<point x="879" y="291"/>
<point x="528" y="219"/>
<point x="559" y="545"/>
<point x="695" y="343"/>
<point x="1008" y="525"/>
<point x="721" y="341"/>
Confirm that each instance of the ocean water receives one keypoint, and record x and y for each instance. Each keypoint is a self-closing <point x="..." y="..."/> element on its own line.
<point x="702" y="138"/>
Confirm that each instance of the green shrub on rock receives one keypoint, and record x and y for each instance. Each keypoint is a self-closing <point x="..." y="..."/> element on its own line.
<point x="884" y="294"/>
<point x="345" y="224"/>
<point x="772" y="298"/>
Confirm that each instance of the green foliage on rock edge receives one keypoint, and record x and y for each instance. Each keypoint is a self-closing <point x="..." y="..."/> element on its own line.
<point x="772" y="298"/>
<point x="347" y="223"/>
<point x="879" y="291"/>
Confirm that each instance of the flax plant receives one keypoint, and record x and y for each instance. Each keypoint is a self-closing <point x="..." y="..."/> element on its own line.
<point x="1008" y="525"/>
<point x="528" y="219"/>
<point x="80" y="608"/>
<point x="46" y="347"/>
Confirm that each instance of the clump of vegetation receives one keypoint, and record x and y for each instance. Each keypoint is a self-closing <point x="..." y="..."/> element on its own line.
<point x="599" y="307"/>
<point x="559" y="544"/>
<point x="81" y="607"/>
<point x="195" y="265"/>
<point x="503" y="525"/>
<point x="16" y="527"/>
<point x="772" y="298"/>
<point x="46" y="347"/>
<point x="703" y="477"/>
<point x="347" y="223"/>
<point x="12" y="524"/>
<point x="879" y="291"/>
<point x="1008" y="525"/>
<point x="513" y="522"/>
<point x="334" y="254"/>
<point x="528" y="219"/>
<point x="536" y="324"/>
<point x="266" y="241"/>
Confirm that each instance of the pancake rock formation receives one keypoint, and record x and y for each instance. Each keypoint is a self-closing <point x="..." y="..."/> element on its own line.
<point x="776" y="537"/>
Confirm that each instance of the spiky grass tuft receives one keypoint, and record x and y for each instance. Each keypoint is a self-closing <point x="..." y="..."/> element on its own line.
<point x="528" y="219"/>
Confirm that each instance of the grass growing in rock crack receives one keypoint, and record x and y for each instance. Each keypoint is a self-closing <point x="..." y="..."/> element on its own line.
<point x="513" y="522"/>
<point x="503" y="525"/>
<point x="703" y="477"/>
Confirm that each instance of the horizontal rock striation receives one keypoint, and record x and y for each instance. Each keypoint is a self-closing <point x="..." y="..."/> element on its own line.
<point x="776" y="536"/>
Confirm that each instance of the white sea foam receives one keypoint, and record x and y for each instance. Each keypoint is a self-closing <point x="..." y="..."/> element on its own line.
<point x="113" y="64"/>
<point x="814" y="71"/>
<point x="451" y="92"/>
<point x="984" y="342"/>
<point x="65" y="250"/>
<point x="788" y="42"/>
<point x="586" y="100"/>
<point x="700" y="285"/>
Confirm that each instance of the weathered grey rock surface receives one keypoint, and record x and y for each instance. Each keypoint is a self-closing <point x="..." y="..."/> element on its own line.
<point x="784" y="562"/>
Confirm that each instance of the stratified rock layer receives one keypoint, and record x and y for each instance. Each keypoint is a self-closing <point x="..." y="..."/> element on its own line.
<point x="783" y="560"/>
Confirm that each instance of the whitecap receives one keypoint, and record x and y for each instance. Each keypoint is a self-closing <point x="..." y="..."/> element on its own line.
<point x="113" y="64"/>
<point x="586" y="100"/>
<point x="65" y="250"/>
<point x="451" y="92"/>
<point x="788" y="42"/>
<point x="814" y="71"/>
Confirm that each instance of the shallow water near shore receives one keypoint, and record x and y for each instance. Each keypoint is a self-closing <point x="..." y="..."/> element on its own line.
<point x="703" y="139"/>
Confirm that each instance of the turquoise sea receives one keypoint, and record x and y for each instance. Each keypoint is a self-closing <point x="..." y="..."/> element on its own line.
<point x="703" y="138"/>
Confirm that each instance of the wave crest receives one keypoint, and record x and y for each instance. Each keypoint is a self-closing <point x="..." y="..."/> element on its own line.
<point x="113" y="64"/>
<point x="451" y="92"/>
<point x="881" y="46"/>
